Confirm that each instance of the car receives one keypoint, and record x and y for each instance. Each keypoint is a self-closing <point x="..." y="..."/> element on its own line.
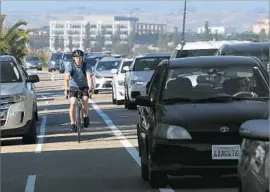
<point x="253" y="165"/>
<point x="102" y="76"/>
<point x="190" y="117"/>
<point x="18" y="110"/>
<point x="92" y="59"/>
<point x="32" y="62"/>
<point x="199" y="48"/>
<point x="118" y="91"/>
<point x="54" y="62"/>
<point x="255" y="49"/>
<point x="66" y="59"/>
<point x="138" y="75"/>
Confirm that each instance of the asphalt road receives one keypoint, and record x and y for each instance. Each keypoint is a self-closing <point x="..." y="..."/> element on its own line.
<point x="105" y="160"/>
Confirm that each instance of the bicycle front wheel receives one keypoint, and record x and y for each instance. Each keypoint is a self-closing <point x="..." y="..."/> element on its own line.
<point x="78" y="122"/>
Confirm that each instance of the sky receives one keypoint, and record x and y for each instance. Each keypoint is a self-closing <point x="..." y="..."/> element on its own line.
<point x="45" y="6"/>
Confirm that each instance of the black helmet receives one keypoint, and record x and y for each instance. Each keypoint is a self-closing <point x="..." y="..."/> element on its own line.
<point x="77" y="53"/>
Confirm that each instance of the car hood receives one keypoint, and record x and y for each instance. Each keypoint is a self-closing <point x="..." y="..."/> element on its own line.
<point x="33" y="62"/>
<point x="214" y="113"/>
<point x="144" y="76"/>
<point x="11" y="88"/>
<point x="105" y="73"/>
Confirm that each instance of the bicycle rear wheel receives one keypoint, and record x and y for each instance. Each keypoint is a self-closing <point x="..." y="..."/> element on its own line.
<point x="78" y="122"/>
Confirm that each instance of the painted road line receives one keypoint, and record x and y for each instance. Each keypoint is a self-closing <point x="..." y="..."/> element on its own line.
<point x="30" y="185"/>
<point x="41" y="134"/>
<point x="128" y="146"/>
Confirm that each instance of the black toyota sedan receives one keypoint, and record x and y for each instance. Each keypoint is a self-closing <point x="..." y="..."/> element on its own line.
<point x="190" y="119"/>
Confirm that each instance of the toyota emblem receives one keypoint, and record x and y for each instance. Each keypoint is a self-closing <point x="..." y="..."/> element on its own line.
<point x="224" y="129"/>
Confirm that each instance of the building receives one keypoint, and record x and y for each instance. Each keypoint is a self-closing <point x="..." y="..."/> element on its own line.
<point x="261" y="25"/>
<point x="106" y="25"/>
<point x="218" y="30"/>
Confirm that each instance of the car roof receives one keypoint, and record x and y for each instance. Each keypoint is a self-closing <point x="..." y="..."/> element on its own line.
<point x="207" y="44"/>
<point x="153" y="54"/>
<point x="210" y="60"/>
<point x="249" y="46"/>
<point x="6" y="58"/>
<point x="110" y="59"/>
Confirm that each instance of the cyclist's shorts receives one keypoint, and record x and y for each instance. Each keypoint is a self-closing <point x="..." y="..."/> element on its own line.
<point x="74" y="93"/>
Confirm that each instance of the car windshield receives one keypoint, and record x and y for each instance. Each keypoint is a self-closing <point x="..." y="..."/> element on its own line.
<point x="145" y="64"/>
<point x="126" y="63"/>
<point x="91" y="61"/>
<point x="67" y="57"/>
<point x="107" y="65"/>
<point x="32" y="58"/>
<point x="195" y="53"/>
<point x="56" y="56"/>
<point x="9" y="72"/>
<point x="241" y="82"/>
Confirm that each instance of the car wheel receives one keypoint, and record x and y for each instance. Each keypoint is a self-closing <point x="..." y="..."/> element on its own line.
<point x="36" y="114"/>
<point x="49" y="70"/>
<point x="31" y="136"/>
<point x="113" y="99"/>
<point x="157" y="179"/>
<point x="95" y="91"/>
<point x="125" y="102"/>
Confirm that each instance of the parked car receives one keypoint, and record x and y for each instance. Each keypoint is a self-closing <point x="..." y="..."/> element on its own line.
<point x="18" y="107"/>
<point x="253" y="165"/>
<point x="190" y="127"/>
<point x="54" y="62"/>
<point x="138" y="75"/>
<point x="255" y="49"/>
<point x="66" y="59"/>
<point x="199" y="48"/>
<point x="118" y="91"/>
<point x="102" y="78"/>
<point x="32" y="62"/>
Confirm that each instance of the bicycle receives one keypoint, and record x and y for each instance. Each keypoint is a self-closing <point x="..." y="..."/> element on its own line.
<point x="79" y="113"/>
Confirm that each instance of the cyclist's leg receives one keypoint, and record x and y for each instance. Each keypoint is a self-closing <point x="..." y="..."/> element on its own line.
<point x="72" y="110"/>
<point x="85" y="108"/>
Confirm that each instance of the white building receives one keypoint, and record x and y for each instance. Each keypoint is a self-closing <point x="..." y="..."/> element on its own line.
<point x="218" y="30"/>
<point x="99" y="24"/>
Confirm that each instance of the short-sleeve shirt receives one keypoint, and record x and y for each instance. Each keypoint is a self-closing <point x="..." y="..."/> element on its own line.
<point x="78" y="78"/>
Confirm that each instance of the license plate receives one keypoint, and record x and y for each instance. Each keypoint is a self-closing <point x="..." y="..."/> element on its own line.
<point x="220" y="152"/>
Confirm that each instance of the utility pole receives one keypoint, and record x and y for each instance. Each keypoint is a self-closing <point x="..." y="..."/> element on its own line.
<point x="184" y="24"/>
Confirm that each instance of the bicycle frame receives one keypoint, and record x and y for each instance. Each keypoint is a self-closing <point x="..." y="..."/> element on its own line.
<point x="79" y="117"/>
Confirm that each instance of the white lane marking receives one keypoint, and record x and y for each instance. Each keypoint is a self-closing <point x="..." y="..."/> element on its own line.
<point x="52" y="76"/>
<point x="128" y="146"/>
<point x="42" y="134"/>
<point x="30" y="185"/>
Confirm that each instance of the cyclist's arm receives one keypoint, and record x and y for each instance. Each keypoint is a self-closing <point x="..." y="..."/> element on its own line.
<point x="67" y="76"/>
<point x="89" y="76"/>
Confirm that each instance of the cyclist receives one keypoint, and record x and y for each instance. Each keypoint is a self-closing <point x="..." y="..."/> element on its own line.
<point x="78" y="76"/>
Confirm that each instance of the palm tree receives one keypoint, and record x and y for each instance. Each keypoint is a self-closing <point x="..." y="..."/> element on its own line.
<point x="13" y="40"/>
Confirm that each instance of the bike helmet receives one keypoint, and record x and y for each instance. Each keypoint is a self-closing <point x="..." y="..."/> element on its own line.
<point x="77" y="53"/>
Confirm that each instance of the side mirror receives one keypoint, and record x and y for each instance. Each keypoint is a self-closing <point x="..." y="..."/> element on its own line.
<point x="255" y="130"/>
<point x="33" y="78"/>
<point x="143" y="101"/>
<point x="126" y="68"/>
<point x="147" y="87"/>
<point x="113" y="71"/>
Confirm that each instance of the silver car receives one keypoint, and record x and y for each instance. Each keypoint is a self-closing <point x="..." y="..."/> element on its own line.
<point x="32" y="62"/>
<point x="102" y="77"/>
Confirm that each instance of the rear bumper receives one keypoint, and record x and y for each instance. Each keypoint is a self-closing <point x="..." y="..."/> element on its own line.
<point x="190" y="159"/>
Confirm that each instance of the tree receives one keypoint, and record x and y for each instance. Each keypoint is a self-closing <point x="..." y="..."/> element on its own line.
<point x="62" y="43"/>
<point x="13" y="41"/>
<point x="70" y="43"/>
<point x="56" y="42"/>
<point x="87" y="39"/>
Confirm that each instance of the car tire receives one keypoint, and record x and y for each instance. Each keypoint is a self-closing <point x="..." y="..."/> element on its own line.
<point x="36" y="114"/>
<point x="49" y="70"/>
<point x="125" y="102"/>
<point x="113" y="99"/>
<point x="31" y="136"/>
<point x="157" y="179"/>
<point x="95" y="91"/>
<point x="131" y="105"/>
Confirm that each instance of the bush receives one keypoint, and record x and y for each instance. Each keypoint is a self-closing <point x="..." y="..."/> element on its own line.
<point x="44" y="56"/>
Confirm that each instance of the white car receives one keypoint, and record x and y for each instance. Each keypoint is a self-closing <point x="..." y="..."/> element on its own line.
<point x="139" y="74"/>
<point x="118" y="91"/>
<point x="18" y="111"/>
<point x="102" y="78"/>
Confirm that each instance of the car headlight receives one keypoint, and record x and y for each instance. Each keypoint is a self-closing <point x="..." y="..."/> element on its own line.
<point x="137" y="82"/>
<point x="120" y="82"/>
<point x="53" y="62"/>
<point x="17" y="98"/>
<point x="172" y="132"/>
